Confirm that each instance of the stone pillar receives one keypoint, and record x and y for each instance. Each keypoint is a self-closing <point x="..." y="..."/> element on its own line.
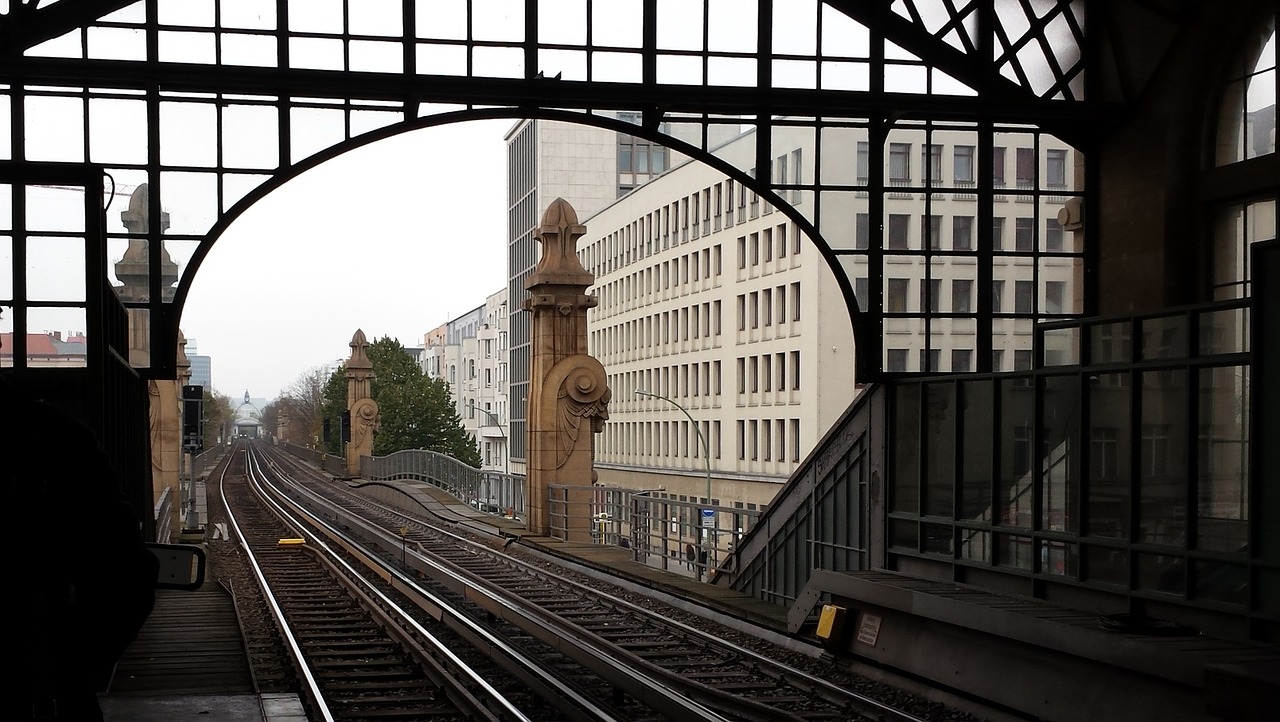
<point x="165" y="399"/>
<point x="360" y="403"/>
<point x="133" y="270"/>
<point x="164" y="396"/>
<point x="568" y="390"/>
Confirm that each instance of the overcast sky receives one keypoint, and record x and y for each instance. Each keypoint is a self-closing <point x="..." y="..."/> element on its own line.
<point x="394" y="238"/>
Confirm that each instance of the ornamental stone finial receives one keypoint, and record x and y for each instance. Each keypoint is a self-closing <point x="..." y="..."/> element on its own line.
<point x="558" y="233"/>
<point x="359" y="352"/>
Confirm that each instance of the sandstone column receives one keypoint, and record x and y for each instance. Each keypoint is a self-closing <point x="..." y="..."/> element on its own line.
<point x="164" y="396"/>
<point x="360" y="403"/>
<point x="568" y="390"/>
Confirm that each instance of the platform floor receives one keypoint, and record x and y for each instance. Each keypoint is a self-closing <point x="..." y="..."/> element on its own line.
<point x="189" y="663"/>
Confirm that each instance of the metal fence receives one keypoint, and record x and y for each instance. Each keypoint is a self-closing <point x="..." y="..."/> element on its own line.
<point x="206" y="460"/>
<point x="684" y="537"/>
<point x="334" y="465"/>
<point x="488" y="491"/>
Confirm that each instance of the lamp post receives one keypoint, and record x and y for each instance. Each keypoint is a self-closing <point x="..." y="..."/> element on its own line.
<point x="506" y="456"/>
<point x="506" y="452"/>
<point x="706" y="457"/>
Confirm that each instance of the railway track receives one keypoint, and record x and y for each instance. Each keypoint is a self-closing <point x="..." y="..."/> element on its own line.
<point x="346" y="671"/>
<point x="734" y="681"/>
<point x="349" y="660"/>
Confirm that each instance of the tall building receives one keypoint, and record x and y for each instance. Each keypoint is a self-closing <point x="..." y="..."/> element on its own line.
<point x="548" y="160"/>
<point x="201" y="366"/>
<point x="589" y="167"/>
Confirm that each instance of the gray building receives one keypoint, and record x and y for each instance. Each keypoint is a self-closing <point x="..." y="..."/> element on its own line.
<point x="201" y="366"/>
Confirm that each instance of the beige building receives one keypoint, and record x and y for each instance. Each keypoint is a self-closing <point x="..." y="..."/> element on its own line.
<point x="588" y="166"/>
<point x="715" y="300"/>
<point x="470" y="354"/>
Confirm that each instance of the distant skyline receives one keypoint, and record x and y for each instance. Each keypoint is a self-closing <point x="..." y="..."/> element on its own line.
<point x="394" y="238"/>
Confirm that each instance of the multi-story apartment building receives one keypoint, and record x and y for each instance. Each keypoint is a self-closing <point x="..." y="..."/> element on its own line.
<point x="485" y="413"/>
<point x="470" y="354"/>
<point x="433" y="354"/>
<point x="712" y="298"/>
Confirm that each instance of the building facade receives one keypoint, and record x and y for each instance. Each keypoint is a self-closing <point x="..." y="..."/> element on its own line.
<point x="720" y="303"/>
<point x="201" y="366"/>
<point x="470" y="354"/>
<point x="588" y="166"/>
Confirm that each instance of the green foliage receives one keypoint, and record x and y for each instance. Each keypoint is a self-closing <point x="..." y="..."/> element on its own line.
<point x="415" y="410"/>
<point x="335" y="400"/>
<point x="217" y="417"/>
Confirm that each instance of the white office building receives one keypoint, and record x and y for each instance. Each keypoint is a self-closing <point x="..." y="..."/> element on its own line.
<point x="715" y="300"/>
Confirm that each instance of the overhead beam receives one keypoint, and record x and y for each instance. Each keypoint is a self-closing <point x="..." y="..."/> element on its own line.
<point x="968" y="69"/>
<point x="542" y="93"/>
<point x="27" y="26"/>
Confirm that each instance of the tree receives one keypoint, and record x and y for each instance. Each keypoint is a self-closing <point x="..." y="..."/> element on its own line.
<point x="416" y="410"/>
<point x="217" y="417"/>
<point x="304" y="401"/>
<point x="335" y="402"/>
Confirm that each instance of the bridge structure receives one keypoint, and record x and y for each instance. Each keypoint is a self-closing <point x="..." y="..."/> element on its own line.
<point x="1119" y="476"/>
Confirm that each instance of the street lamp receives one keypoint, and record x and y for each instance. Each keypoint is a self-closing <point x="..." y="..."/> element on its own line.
<point x="706" y="457"/>
<point x="506" y="455"/>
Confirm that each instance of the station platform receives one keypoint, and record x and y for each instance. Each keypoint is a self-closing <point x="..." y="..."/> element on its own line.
<point x="189" y="663"/>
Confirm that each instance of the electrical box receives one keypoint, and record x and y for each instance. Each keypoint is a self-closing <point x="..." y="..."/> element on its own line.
<point x="831" y="623"/>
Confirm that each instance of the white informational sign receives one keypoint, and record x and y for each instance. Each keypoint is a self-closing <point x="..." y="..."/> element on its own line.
<point x="708" y="518"/>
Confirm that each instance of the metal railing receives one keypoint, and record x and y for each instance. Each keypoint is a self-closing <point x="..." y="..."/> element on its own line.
<point x="205" y="460"/>
<point x="684" y="537"/>
<point x="489" y="491"/>
<point x="161" y="516"/>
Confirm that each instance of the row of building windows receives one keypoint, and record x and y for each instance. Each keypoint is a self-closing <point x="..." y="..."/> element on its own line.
<point x="937" y="234"/>
<point x="769" y="440"/>
<point x="1057" y="296"/>
<point x="756" y="439"/>
<point x="763" y="246"/>
<point x="688" y="218"/>
<point x="682" y="273"/>
<point x="699" y="321"/>
<point x="961" y="359"/>
<point x="700" y="379"/>
<point x="767" y="306"/>
<point x="963" y="166"/>
<point x="763" y="372"/>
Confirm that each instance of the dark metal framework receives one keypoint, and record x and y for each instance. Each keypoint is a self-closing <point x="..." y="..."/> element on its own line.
<point x="1121" y="465"/>
<point x="214" y="104"/>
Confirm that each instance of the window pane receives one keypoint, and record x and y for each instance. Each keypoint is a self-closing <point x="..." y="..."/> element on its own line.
<point x="978" y="422"/>
<point x="1223" y="493"/>
<point x="1060" y="462"/>
<point x="1016" y="423"/>
<point x="940" y="430"/>
<point x="1109" y="454"/>
<point x="1162" y="467"/>
<point x="906" y="472"/>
